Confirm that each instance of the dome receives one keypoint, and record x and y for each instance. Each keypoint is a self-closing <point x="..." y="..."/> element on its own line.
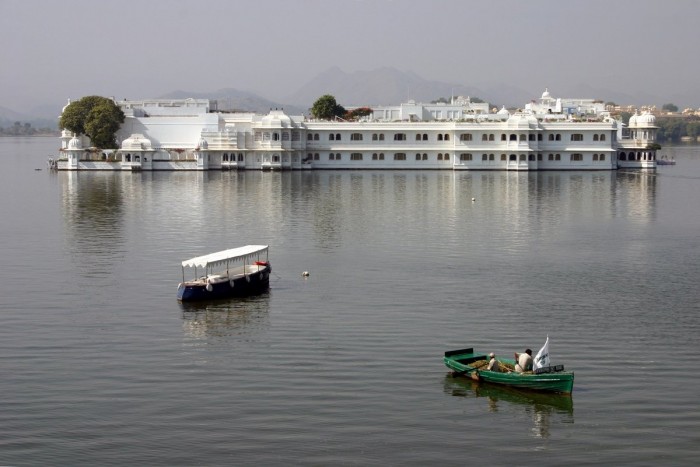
<point x="522" y="120"/>
<point x="75" y="143"/>
<point x="503" y="112"/>
<point x="546" y="94"/>
<point x="633" y="120"/>
<point x="65" y="106"/>
<point x="646" y="119"/>
<point x="276" y="119"/>
<point x="203" y="144"/>
<point x="136" y="142"/>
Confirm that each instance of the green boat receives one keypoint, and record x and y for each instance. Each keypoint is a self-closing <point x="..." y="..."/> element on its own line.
<point x="470" y="363"/>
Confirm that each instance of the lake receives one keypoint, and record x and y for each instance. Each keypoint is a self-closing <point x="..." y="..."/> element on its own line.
<point x="102" y="366"/>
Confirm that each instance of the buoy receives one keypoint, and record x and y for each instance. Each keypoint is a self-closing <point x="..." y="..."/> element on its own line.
<point x="473" y="199"/>
<point x="305" y="274"/>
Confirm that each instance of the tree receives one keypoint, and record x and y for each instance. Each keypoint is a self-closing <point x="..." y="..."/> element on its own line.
<point x="670" y="107"/>
<point x="326" y="108"/>
<point x="97" y="117"/>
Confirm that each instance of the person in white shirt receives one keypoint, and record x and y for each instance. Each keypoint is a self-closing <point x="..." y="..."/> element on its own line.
<point x="523" y="361"/>
<point x="493" y="363"/>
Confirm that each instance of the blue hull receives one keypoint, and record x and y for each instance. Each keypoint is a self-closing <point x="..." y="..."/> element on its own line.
<point x="252" y="284"/>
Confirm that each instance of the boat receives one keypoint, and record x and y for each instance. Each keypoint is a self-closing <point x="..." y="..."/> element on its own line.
<point x="551" y="378"/>
<point x="236" y="272"/>
<point x="666" y="161"/>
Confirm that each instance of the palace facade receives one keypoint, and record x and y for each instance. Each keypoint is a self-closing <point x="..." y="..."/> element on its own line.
<point x="547" y="134"/>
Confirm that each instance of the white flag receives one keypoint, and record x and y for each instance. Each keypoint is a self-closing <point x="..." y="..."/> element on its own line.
<point x="542" y="357"/>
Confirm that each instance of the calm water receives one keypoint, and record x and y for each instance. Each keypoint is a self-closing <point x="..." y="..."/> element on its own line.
<point x="100" y="364"/>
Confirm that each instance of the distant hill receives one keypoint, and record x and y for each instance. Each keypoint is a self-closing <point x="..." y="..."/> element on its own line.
<point x="382" y="86"/>
<point x="40" y="117"/>
<point x="230" y="99"/>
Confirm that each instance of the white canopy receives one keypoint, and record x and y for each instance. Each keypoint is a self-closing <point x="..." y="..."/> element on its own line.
<point x="246" y="253"/>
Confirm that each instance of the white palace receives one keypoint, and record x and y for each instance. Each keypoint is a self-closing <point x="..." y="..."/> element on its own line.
<point x="547" y="134"/>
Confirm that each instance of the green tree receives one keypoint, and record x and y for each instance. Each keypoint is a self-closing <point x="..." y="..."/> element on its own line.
<point x="326" y="108"/>
<point x="670" y="107"/>
<point x="97" y="117"/>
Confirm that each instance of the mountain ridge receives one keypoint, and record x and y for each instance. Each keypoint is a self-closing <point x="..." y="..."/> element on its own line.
<point x="380" y="86"/>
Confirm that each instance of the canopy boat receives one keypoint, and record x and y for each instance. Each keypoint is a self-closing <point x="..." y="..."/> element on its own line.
<point x="664" y="160"/>
<point x="238" y="272"/>
<point x="473" y="364"/>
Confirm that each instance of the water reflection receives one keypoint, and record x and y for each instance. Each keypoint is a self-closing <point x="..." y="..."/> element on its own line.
<point x="93" y="212"/>
<point x="222" y="318"/>
<point x="545" y="410"/>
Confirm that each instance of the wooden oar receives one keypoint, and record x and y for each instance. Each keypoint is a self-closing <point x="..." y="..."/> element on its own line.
<point x="473" y="369"/>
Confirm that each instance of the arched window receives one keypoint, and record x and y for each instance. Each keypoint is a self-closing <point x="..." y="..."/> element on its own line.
<point x="331" y="137"/>
<point x="503" y="136"/>
<point x="337" y="136"/>
<point x="399" y="136"/>
<point x="491" y="137"/>
<point x="513" y="157"/>
<point x="595" y="138"/>
<point x="439" y="136"/>
<point x="539" y="136"/>
<point x="602" y="137"/>
<point x="381" y="136"/>
<point x="558" y="137"/>
<point x="309" y="137"/>
<point x="356" y="137"/>
<point x="513" y="137"/>
<point x="466" y="137"/>
<point x="425" y="136"/>
<point x="417" y="136"/>
<point x="484" y="137"/>
<point x="374" y="137"/>
<point x="523" y="137"/>
<point x="316" y="137"/>
<point x="550" y="137"/>
<point x="531" y="137"/>
<point x="447" y="137"/>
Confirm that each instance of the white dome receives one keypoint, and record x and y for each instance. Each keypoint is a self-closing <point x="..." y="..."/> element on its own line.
<point x="136" y="142"/>
<point x="75" y="143"/>
<point x="633" y="120"/>
<point x="546" y="94"/>
<point x="276" y="119"/>
<point x="203" y="144"/>
<point x="522" y="120"/>
<point x="503" y="112"/>
<point x="646" y="119"/>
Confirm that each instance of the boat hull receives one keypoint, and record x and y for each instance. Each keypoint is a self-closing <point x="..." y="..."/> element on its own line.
<point x="460" y="361"/>
<point x="243" y="286"/>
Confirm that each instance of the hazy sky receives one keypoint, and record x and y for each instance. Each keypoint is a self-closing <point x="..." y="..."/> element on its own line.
<point x="54" y="50"/>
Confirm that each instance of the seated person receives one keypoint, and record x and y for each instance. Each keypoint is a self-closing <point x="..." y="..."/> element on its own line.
<point x="523" y="361"/>
<point x="493" y="363"/>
